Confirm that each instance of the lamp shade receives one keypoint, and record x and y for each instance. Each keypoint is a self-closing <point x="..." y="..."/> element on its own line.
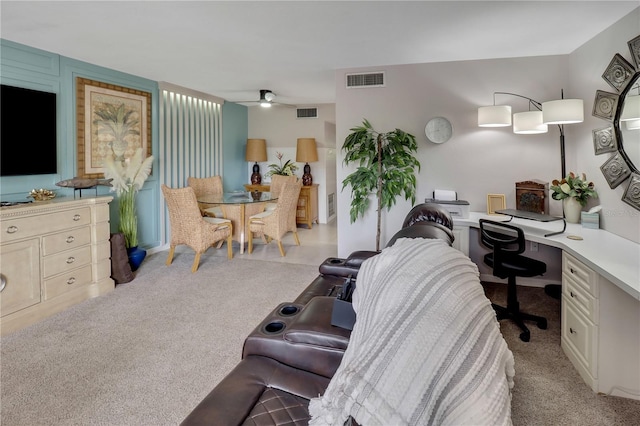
<point x="306" y="151"/>
<point x="256" y="150"/>
<point x="494" y="116"/>
<point x="529" y="123"/>
<point x="631" y="109"/>
<point x="563" y="111"/>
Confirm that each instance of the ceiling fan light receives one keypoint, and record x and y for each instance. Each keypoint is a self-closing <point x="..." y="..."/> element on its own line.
<point x="529" y="123"/>
<point x="563" y="111"/>
<point x="494" y="116"/>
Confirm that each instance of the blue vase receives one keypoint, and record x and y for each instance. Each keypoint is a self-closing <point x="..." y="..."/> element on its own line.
<point x="136" y="256"/>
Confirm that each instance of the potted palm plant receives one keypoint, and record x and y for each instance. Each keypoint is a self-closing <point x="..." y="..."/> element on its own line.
<point x="128" y="177"/>
<point x="386" y="168"/>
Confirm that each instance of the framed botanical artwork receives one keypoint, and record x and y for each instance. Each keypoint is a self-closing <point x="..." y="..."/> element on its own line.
<point x="111" y="120"/>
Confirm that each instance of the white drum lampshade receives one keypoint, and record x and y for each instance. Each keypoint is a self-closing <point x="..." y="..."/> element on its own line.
<point x="529" y="123"/>
<point x="494" y="116"/>
<point x="563" y="111"/>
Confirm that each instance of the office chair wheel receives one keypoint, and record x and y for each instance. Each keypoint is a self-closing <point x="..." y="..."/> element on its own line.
<point x="542" y="324"/>
<point x="525" y="336"/>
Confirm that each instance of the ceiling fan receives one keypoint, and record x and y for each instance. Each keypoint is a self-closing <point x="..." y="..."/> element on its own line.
<point x="267" y="98"/>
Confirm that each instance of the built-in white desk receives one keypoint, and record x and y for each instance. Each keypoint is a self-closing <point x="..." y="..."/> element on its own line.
<point x="615" y="258"/>
<point x="600" y="299"/>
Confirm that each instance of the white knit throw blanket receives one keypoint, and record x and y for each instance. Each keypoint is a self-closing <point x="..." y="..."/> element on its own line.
<point x="426" y="347"/>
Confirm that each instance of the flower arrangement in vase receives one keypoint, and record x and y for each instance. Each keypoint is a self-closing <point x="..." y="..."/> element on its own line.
<point x="574" y="191"/>
<point x="128" y="177"/>
<point x="287" y="169"/>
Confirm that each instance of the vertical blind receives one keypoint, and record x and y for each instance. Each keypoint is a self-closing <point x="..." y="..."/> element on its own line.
<point x="190" y="138"/>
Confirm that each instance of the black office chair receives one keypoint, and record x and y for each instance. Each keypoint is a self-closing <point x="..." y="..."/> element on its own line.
<point x="507" y="242"/>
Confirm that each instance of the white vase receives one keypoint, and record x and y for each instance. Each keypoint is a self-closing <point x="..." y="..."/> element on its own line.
<point x="572" y="209"/>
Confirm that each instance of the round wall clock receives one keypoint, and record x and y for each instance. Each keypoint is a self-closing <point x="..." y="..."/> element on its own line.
<point x="438" y="130"/>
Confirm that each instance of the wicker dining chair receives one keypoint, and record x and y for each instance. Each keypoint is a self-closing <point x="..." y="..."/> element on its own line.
<point x="205" y="186"/>
<point x="188" y="227"/>
<point x="276" y="223"/>
<point x="277" y="182"/>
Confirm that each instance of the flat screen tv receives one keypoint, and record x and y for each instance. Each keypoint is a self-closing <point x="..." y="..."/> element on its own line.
<point x="28" y="135"/>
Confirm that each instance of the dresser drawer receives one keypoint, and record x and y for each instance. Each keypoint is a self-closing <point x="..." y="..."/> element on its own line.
<point x="18" y="228"/>
<point x="581" y="300"/>
<point x="582" y="274"/>
<point x="66" y="282"/>
<point x="66" y="240"/>
<point x="66" y="261"/>
<point x="580" y="335"/>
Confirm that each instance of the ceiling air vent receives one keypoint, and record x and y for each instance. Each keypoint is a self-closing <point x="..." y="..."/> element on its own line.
<point x="307" y="112"/>
<point x="373" y="79"/>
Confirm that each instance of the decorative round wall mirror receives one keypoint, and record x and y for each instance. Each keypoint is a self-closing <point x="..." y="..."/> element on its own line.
<point x="622" y="137"/>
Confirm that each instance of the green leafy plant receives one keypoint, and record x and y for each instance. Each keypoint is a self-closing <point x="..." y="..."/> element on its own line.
<point x="386" y="168"/>
<point x="287" y="169"/>
<point x="128" y="177"/>
<point x="573" y="186"/>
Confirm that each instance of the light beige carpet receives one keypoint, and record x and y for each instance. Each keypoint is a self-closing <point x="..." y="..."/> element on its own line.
<point x="147" y="353"/>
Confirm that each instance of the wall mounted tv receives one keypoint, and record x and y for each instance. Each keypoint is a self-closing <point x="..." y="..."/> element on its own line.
<point x="27" y="132"/>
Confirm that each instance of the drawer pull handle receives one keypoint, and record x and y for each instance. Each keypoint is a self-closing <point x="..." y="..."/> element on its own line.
<point x="572" y="331"/>
<point x="76" y="217"/>
<point x="71" y="280"/>
<point x="3" y="282"/>
<point x="572" y="270"/>
<point x="12" y="229"/>
<point x="71" y="259"/>
<point x="572" y="295"/>
<point x="70" y="239"/>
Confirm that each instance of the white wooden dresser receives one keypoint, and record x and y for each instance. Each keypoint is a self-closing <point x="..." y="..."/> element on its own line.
<point x="53" y="254"/>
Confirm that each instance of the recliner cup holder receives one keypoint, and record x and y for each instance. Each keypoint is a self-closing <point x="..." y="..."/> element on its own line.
<point x="274" y="327"/>
<point x="288" y="310"/>
<point x="335" y="261"/>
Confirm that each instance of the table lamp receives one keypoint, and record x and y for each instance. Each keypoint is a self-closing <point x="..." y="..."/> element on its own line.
<point x="256" y="151"/>
<point x="306" y="152"/>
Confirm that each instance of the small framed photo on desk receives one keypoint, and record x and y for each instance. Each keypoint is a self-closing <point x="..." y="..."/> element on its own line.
<point x="496" y="202"/>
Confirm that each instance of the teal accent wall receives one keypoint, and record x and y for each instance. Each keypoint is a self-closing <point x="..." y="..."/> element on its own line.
<point x="24" y="66"/>
<point x="31" y="68"/>
<point x="235" y="125"/>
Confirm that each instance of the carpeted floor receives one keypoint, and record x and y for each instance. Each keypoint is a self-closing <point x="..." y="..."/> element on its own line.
<point x="147" y="353"/>
<point x="548" y="389"/>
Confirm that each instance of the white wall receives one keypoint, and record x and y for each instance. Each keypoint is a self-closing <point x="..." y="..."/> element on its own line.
<point x="475" y="161"/>
<point x="586" y="66"/>
<point x="479" y="161"/>
<point x="281" y="128"/>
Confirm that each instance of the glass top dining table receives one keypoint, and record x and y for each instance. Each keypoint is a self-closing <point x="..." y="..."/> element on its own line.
<point x="239" y="207"/>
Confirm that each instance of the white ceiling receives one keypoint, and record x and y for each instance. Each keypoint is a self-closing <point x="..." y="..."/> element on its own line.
<point x="234" y="49"/>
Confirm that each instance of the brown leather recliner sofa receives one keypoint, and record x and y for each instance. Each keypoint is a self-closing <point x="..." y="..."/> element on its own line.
<point x="292" y="354"/>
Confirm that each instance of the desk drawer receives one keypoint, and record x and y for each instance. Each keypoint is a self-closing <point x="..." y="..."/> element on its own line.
<point x="583" y="276"/>
<point x="581" y="300"/>
<point x="66" y="240"/>
<point x="581" y="336"/>
<point x="66" y="261"/>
